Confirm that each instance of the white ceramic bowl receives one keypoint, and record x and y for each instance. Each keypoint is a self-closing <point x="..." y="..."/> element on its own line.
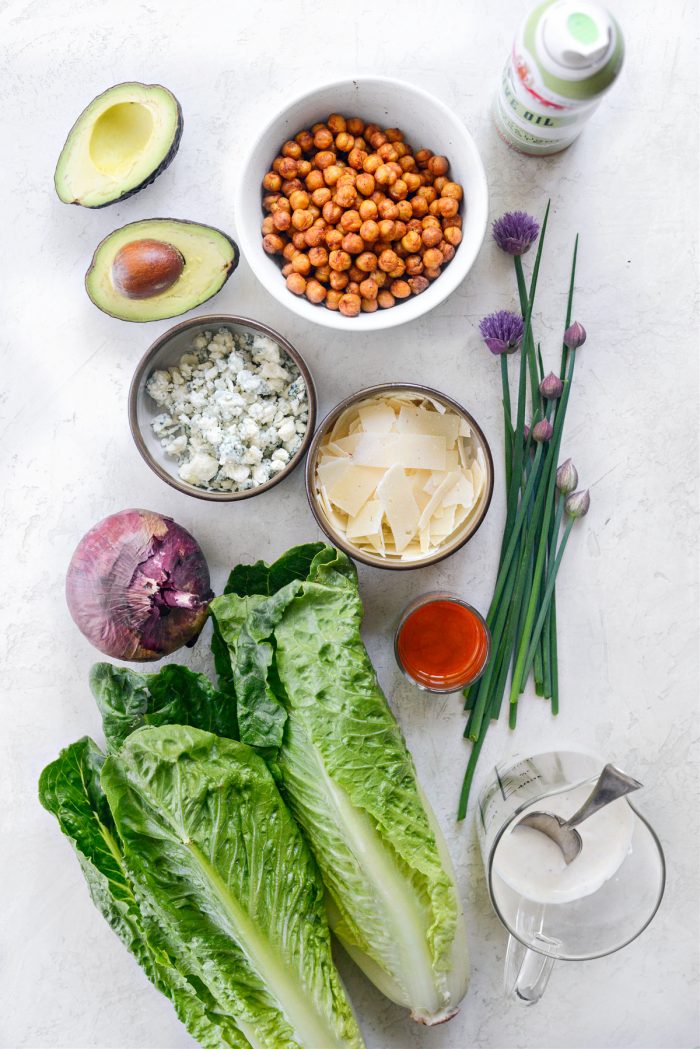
<point x="427" y="123"/>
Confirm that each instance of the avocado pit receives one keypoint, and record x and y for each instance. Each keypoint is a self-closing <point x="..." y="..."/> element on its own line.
<point x="144" y="268"/>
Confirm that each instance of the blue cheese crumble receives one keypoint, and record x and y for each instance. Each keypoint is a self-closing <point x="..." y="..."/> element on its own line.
<point x="234" y="410"/>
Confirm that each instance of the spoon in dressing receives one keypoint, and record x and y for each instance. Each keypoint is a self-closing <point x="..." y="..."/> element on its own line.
<point x="612" y="784"/>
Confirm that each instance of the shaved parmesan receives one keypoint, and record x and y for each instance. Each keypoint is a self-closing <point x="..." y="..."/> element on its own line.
<point x="395" y="493"/>
<point x="377" y="418"/>
<point x="409" y="450"/>
<point x="418" y="420"/>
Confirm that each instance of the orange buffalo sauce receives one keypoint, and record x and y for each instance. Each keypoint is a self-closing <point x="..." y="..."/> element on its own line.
<point x="443" y="645"/>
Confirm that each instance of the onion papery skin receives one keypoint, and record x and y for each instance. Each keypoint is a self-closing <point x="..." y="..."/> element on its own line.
<point x="138" y="586"/>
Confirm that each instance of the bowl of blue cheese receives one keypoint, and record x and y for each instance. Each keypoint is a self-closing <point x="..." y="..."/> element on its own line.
<point x="222" y="407"/>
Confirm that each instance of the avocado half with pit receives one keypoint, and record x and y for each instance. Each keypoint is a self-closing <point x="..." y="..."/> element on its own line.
<point x="119" y="144"/>
<point x="159" y="268"/>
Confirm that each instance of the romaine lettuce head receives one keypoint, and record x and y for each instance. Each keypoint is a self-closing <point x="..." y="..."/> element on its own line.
<point x="210" y="844"/>
<point x="305" y="685"/>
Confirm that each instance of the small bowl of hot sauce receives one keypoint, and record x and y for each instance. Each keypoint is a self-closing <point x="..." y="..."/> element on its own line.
<point x="442" y="644"/>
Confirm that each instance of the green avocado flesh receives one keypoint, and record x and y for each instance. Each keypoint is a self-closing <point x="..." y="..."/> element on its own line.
<point x="210" y="259"/>
<point x="120" y="143"/>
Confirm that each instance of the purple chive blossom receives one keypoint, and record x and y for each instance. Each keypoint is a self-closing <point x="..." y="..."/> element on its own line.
<point x="567" y="477"/>
<point x="575" y="336"/>
<point x="551" y="387"/>
<point x="542" y="431"/>
<point x="577" y="504"/>
<point x="515" y="231"/>
<point x="502" y="332"/>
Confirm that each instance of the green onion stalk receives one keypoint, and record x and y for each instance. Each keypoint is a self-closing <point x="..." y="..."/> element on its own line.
<point x="540" y="496"/>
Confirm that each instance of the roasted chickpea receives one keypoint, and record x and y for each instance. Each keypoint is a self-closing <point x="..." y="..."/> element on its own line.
<point x="405" y="210"/>
<point x="433" y="273"/>
<point x="302" y="219"/>
<point x="356" y="158"/>
<point x="315" y="292"/>
<point x="323" y="138"/>
<point x="321" y="196"/>
<point x="268" y="225"/>
<point x="344" y="142"/>
<point x="456" y="221"/>
<point x="288" y="168"/>
<point x="291" y="149"/>
<point x="423" y="157"/>
<point x="369" y="305"/>
<point x="427" y="193"/>
<point x="272" y="181"/>
<point x="324" y="159"/>
<point x="438" y="165"/>
<point x="432" y="258"/>
<point x="394" y="134"/>
<point x="413" y="182"/>
<point x="440" y="182"/>
<point x="323" y="274"/>
<point x="400" y="289"/>
<point x="385" y="175"/>
<point x="352" y="288"/>
<point x="339" y="260"/>
<point x="331" y="174"/>
<point x="369" y="288"/>
<point x="411" y="241"/>
<point x="270" y="200"/>
<point x="414" y="265"/>
<point x="290" y="185"/>
<point x="388" y="209"/>
<point x="399" y="190"/>
<point x="299" y="239"/>
<point x="380" y="277"/>
<point x="348" y="177"/>
<point x="355" y="275"/>
<point x="318" y="256"/>
<point x="296" y="283"/>
<point x="431" y="237"/>
<point x="305" y="140"/>
<point x="376" y="139"/>
<point x="273" y="243"/>
<point x="453" y="235"/>
<point x="400" y="229"/>
<point x="303" y="168"/>
<point x="407" y="162"/>
<point x="365" y="184"/>
<point x="350" y="305"/>
<point x="299" y="199"/>
<point x="332" y="212"/>
<point x="289" y="251"/>
<point x="332" y="300"/>
<point x="345" y="196"/>
<point x="353" y="243"/>
<point x="372" y="164"/>
<point x="287" y="269"/>
<point x="336" y="123"/>
<point x="387" y="152"/>
<point x="338" y="281"/>
<point x="398" y="270"/>
<point x="368" y="210"/>
<point x="315" y="236"/>
<point x="367" y="262"/>
<point x="418" y="284"/>
<point x="314" y="180"/>
<point x="448" y="207"/>
<point x="447" y="251"/>
<point x="281" y="220"/>
<point x="334" y="238"/>
<point x="419" y="206"/>
<point x="387" y="229"/>
<point x="350" y="221"/>
<point x="369" y="231"/>
<point x="276" y="164"/>
<point x="388" y="260"/>
<point x="385" y="299"/>
<point x="301" y="264"/>
<point x="355" y="125"/>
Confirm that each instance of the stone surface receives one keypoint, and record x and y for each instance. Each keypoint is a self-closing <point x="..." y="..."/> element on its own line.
<point x="628" y="612"/>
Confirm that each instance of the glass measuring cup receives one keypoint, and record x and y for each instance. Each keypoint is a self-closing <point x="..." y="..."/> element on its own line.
<point x="618" y="903"/>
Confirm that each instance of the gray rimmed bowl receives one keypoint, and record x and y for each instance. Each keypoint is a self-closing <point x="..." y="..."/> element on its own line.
<point x="166" y="351"/>
<point x="376" y="561"/>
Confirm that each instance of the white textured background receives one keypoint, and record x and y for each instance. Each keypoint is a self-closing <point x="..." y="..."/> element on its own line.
<point x="628" y="611"/>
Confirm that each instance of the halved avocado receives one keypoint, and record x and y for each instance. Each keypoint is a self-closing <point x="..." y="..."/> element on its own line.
<point x="120" y="143"/>
<point x="208" y="258"/>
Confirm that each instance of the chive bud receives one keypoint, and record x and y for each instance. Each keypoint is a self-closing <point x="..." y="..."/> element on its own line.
<point x="567" y="477"/>
<point x="551" y="387"/>
<point x="577" y="504"/>
<point x="542" y="431"/>
<point x="575" y="336"/>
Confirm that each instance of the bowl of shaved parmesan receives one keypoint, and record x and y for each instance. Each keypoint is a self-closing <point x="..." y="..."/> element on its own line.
<point x="399" y="476"/>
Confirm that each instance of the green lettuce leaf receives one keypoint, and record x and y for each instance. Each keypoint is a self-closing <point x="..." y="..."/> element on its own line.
<point x="209" y="841"/>
<point x="175" y="695"/>
<point x="70" y="789"/>
<point x="347" y="775"/>
<point x="263" y="579"/>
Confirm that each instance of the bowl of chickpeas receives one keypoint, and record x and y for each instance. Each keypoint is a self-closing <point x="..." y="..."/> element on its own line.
<point x="363" y="204"/>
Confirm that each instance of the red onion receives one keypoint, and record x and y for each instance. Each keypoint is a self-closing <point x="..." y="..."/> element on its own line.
<point x="138" y="586"/>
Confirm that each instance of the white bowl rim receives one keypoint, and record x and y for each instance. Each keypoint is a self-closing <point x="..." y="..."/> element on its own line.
<point x="417" y="305"/>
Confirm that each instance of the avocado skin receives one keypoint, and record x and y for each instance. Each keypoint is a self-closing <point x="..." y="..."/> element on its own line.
<point x="165" y="162"/>
<point x="200" y="302"/>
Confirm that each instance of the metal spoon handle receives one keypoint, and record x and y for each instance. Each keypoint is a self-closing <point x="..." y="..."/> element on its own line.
<point x="612" y="784"/>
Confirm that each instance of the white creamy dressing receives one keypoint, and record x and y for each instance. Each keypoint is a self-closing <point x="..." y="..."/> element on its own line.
<point x="534" y="867"/>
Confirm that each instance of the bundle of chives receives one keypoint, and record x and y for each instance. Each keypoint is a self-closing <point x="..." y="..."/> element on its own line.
<point x="522" y="614"/>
